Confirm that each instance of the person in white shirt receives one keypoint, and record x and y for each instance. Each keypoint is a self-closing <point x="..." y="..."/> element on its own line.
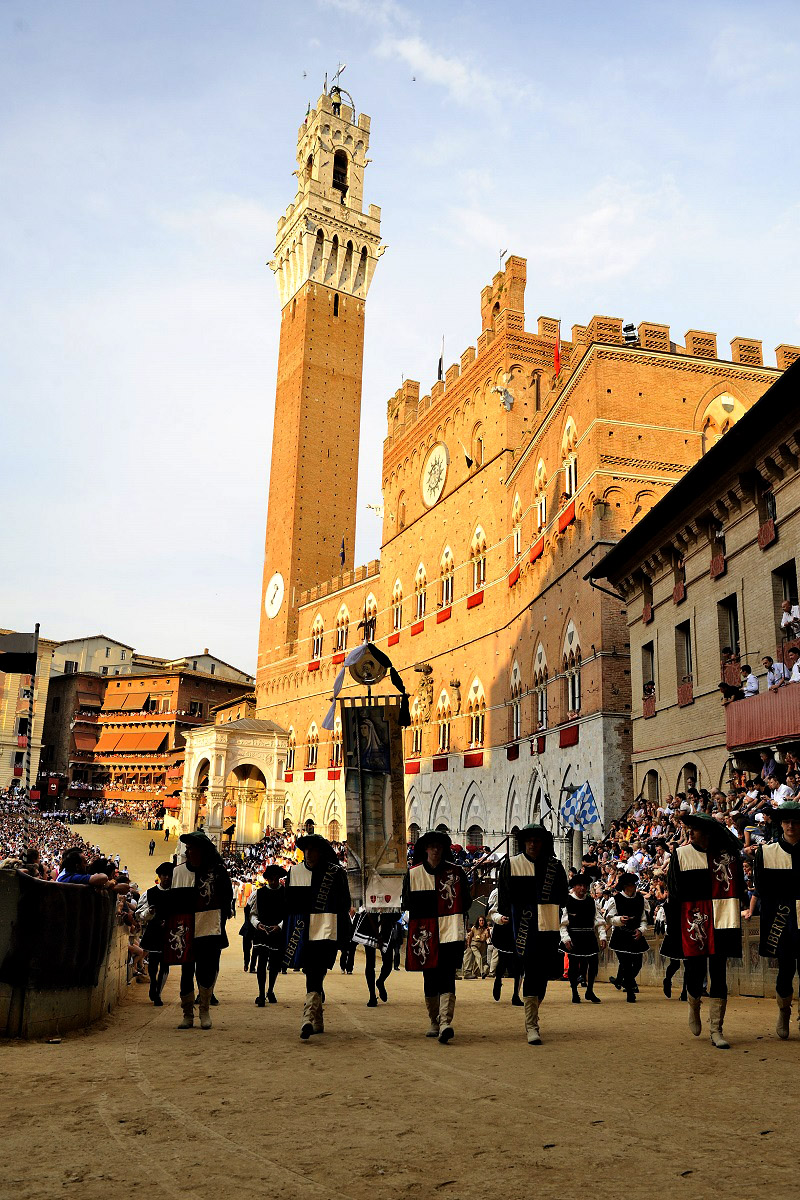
<point x="790" y="618"/>
<point x="749" y="682"/>
<point x="794" y="665"/>
<point x="780" y="791"/>
<point x="777" y="672"/>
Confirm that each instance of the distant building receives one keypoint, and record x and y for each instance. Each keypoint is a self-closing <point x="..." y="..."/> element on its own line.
<point x="103" y="655"/>
<point x="707" y="575"/>
<point x="140" y="750"/>
<point x="15" y="691"/>
<point x="71" y="727"/>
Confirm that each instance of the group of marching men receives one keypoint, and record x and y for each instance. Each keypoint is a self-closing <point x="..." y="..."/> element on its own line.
<point x="301" y="919"/>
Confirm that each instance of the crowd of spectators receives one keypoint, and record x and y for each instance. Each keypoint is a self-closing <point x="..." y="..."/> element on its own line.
<point x="643" y="841"/>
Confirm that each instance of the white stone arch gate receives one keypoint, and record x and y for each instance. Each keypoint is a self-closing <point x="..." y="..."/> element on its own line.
<point x="232" y="747"/>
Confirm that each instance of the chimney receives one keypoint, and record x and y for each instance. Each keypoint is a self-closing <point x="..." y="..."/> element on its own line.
<point x="206" y="650"/>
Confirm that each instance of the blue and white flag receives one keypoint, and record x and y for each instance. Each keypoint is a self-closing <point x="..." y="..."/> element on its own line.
<point x="579" y="810"/>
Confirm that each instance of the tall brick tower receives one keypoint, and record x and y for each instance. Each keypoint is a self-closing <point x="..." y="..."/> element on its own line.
<point x="325" y="256"/>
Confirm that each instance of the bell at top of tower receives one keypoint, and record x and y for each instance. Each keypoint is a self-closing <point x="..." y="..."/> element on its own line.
<point x="325" y="236"/>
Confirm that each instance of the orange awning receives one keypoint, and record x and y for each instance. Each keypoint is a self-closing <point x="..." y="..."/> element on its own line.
<point x="150" y="742"/>
<point x="84" y="741"/>
<point x="126" y="701"/>
<point x="128" y="742"/>
<point x="109" y="739"/>
<point x="89" y="700"/>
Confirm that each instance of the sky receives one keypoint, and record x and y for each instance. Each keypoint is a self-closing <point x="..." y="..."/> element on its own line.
<point x="641" y="157"/>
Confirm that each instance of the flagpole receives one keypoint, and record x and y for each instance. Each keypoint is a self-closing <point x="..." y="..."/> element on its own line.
<point x="30" y="711"/>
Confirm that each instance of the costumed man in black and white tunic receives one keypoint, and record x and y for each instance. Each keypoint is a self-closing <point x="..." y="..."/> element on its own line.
<point x="268" y="914"/>
<point x="628" y="918"/>
<point x="777" y="880"/>
<point x="436" y="895"/>
<point x="152" y="912"/>
<point x="376" y="931"/>
<point x="583" y="933"/>
<point x="706" y="883"/>
<point x="532" y="888"/>
<point x="318" y="906"/>
<point x="200" y="903"/>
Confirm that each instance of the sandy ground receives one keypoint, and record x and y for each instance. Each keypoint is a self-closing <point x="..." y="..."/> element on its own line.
<point x="619" y="1101"/>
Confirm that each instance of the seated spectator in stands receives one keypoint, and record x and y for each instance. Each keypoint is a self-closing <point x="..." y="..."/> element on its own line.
<point x="749" y="681"/>
<point x="769" y="765"/>
<point x="794" y="665"/>
<point x="779" y="791"/>
<point x="790" y="618"/>
<point x="751" y="906"/>
<point x="75" y="870"/>
<point x="777" y="672"/>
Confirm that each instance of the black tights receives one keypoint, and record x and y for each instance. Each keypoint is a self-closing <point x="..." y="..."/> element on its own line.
<point x="629" y="967"/>
<point x="204" y="965"/>
<point x="264" y="955"/>
<point x="673" y="966"/>
<point x="439" y="981"/>
<point x="315" y="978"/>
<point x="370" y="955"/>
<point x="717" y="967"/>
<point x="509" y="968"/>
<point x="247" y="949"/>
<point x="787" y="965"/>
<point x="157" y="971"/>
<point x="575" y="970"/>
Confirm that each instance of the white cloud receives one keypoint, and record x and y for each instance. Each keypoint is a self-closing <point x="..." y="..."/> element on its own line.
<point x="462" y="80"/>
<point x="747" y="60"/>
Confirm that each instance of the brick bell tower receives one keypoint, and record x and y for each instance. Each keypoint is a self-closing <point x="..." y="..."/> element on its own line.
<point x="325" y="256"/>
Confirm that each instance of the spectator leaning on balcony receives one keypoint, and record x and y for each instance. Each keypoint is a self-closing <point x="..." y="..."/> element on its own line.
<point x="749" y="681"/>
<point x="777" y="672"/>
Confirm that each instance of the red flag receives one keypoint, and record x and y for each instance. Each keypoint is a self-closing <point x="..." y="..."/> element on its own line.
<point x="557" y="351"/>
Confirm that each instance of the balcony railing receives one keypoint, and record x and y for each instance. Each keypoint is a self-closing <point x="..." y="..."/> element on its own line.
<point x="765" y="719"/>
<point x="685" y="692"/>
<point x="648" y="707"/>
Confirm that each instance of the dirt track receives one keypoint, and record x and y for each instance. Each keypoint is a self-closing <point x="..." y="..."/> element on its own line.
<point x="619" y="1101"/>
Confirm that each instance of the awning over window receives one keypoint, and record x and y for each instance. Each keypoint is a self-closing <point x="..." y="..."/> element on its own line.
<point x="84" y="741"/>
<point x="150" y="742"/>
<point x="89" y="700"/>
<point x="109" y="740"/>
<point x="129" y="742"/>
<point x="126" y="701"/>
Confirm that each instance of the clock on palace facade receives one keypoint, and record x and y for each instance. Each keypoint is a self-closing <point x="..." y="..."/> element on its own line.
<point x="434" y="474"/>
<point x="273" y="597"/>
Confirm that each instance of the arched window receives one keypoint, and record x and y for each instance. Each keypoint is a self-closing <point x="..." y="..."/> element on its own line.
<point x="540" y="687"/>
<point x="516" y="528"/>
<point x="540" y="496"/>
<point x="516" y="704"/>
<point x="416" y="729"/>
<point x="312" y="747"/>
<point x="316" y="639"/>
<point x="290" y="749"/>
<point x="478" y="556"/>
<point x="397" y="606"/>
<point x="420" y="592"/>
<point x="443" y="718"/>
<point x="446" y="570"/>
<point x="336" y="744"/>
<point x="342" y="627"/>
<point x="334" y="831"/>
<point x="476" y="710"/>
<point x="309" y="167"/>
<point x="477" y="446"/>
<point x="370" y="618"/>
<point x="571" y="663"/>
<point x="336" y="305"/>
<point x="401" y="511"/>
<point x="340" y="173"/>
<point x="413" y="833"/>
<point x="569" y="458"/>
<point x="474" y="838"/>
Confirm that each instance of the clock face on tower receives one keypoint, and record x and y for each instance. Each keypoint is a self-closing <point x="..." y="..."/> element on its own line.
<point x="273" y="598"/>
<point x="434" y="474"/>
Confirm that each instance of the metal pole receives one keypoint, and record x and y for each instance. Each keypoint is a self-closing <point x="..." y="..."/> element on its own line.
<point x="30" y="712"/>
<point x="362" y="811"/>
